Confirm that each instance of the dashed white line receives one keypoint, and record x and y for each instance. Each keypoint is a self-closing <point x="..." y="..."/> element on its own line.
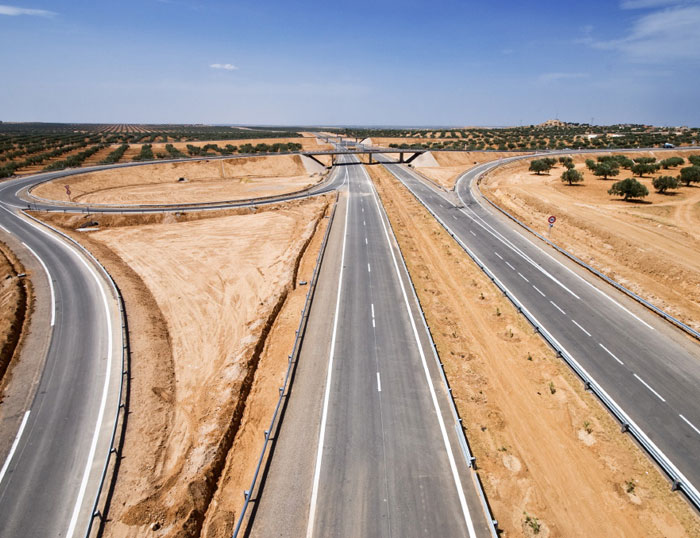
<point x="509" y="265"/>
<point x="555" y="305"/>
<point x="365" y="240"/>
<point x="499" y="256"/>
<point x="521" y="276"/>
<point x="647" y="386"/>
<point x="686" y="421"/>
<point x="16" y="442"/>
<point x="454" y="217"/>
<point x="472" y="233"/>
<point x="369" y="269"/>
<point x="379" y="383"/>
<point x="364" y="223"/>
<point x="611" y="353"/>
<point x="579" y="326"/>
<point x="372" y="309"/>
<point x="4" y="229"/>
<point x="539" y="291"/>
<point x="48" y="275"/>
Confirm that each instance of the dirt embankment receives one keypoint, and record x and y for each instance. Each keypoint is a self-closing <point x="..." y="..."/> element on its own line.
<point x="212" y="318"/>
<point x="182" y="182"/>
<point x="651" y="247"/>
<point x="550" y="456"/>
<point x="449" y="165"/>
<point x="15" y="307"/>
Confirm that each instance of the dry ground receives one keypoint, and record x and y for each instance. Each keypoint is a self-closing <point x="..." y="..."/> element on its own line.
<point x="205" y="181"/>
<point x="652" y="247"/>
<point x="449" y="165"/>
<point x="15" y="303"/>
<point x="546" y="449"/>
<point x="212" y="318"/>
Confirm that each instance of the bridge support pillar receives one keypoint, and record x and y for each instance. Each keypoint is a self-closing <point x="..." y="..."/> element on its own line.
<point x="370" y="158"/>
<point x="401" y="157"/>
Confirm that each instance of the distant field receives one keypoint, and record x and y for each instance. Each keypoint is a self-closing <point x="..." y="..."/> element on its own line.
<point x="27" y="148"/>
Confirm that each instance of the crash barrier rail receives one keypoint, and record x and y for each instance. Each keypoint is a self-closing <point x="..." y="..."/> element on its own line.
<point x="678" y="480"/>
<point x="122" y="408"/>
<point x="461" y="437"/>
<point x="284" y="389"/>
<point x="668" y="317"/>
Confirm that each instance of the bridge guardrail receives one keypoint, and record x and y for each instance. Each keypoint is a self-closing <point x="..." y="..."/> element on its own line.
<point x="678" y="480"/>
<point x="293" y="358"/>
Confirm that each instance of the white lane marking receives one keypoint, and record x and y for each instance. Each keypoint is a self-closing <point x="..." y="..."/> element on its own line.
<point x="685" y="419"/>
<point x="373" y="324"/>
<point x="4" y="229"/>
<point x="499" y="256"/>
<point x="436" y="405"/>
<point x="647" y="386"/>
<point x="364" y="223"/>
<point x="379" y="383"/>
<point x="369" y="268"/>
<point x="521" y="276"/>
<point x="372" y="309"/>
<point x="365" y="240"/>
<point x="472" y="233"/>
<point x="579" y="326"/>
<point x="48" y="275"/>
<point x="363" y="209"/>
<point x="538" y="291"/>
<point x="611" y="353"/>
<point x="509" y="265"/>
<point x="454" y="217"/>
<point x="327" y="392"/>
<point x="557" y="307"/>
<point x="14" y="445"/>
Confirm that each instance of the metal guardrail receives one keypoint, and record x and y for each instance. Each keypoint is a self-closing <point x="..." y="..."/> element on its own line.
<point x="284" y="389"/>
<point x="124" y="378"/>
<point x="461" y="437"/>
<point x="679" y="481"/>
<point x="668" y="317"/>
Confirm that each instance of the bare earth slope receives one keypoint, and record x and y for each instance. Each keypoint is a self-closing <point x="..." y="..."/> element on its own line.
<point x="203" y="181"/>
<point x="451" y="164"/>
<point x="552" y="460"/>
<point x="202" y="298"/>
<point x="651" y="247"/>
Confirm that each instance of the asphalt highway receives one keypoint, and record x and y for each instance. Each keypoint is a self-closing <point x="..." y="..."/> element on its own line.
<point x="651" y="374"/>
<point x="384" y="459"/>
<point x="47" y="481"/>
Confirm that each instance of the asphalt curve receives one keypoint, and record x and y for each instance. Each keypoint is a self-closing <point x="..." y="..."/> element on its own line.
<point x="652" y="376"/>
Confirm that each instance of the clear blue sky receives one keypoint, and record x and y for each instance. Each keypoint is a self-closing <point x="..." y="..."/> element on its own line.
<point x="385" y="62"/>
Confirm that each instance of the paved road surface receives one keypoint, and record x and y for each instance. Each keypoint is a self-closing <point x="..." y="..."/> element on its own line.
<point x="45" y="479"/>
<point x="652" y="372"/>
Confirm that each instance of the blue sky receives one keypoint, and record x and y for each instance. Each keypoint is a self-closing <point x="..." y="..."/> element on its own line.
<point x="363" y="63"/>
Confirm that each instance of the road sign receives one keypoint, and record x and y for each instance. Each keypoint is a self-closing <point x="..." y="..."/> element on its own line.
<point x="67" y="190"/>
<point x="552" y="219"/>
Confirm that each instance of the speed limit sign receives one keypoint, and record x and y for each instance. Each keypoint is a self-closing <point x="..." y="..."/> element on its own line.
<point x="552" y="220"/>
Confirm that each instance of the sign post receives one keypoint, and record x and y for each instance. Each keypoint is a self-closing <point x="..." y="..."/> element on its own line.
<point x="68" y="193"/>
<point x="551" y="221"/>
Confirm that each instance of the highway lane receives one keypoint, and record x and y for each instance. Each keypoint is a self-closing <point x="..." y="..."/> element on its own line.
<point x="48" y="484"/>
<point x="654" y="378"/>
<point x="384" y="459"/>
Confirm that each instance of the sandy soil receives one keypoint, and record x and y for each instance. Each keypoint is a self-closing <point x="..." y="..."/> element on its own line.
<point x="205" y="181"/>
<point x="546" y="449"/>
<point x="652" y="247"/>
<point x="14" y="310"/>
<point x="210" y="333"/>
<point x="452" y="164"/>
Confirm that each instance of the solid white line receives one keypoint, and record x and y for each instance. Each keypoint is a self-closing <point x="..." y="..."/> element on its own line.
<point x="379" y="383"/>
<point x="611" y="353"/>
<point x="686" y="421"/>
<point x="521" y="276"/>
<point x="557" y="307"/>
<point x="472" y="233"/>
<point x="579" y="326"/>
<point x="4" y="229"/>
<point x="14" y="445"/>
<point x="369" y="269"/>
<point x="509" y="265"/>
<point x="647" y="386"/>
<point x="499" y="256"/>
<point x="48" y="276"/>
<point x="327" y="392"/>
<point x="538" y="291"/>
<point x="436" y="405"/>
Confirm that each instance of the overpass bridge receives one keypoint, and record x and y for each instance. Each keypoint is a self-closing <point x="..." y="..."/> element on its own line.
<point x="363" y="150"/>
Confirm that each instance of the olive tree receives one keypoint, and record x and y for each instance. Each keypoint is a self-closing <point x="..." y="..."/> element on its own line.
<point x="629" y="188"/>
<point x="571" y="175"/>
<point x="663" y="183"/>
